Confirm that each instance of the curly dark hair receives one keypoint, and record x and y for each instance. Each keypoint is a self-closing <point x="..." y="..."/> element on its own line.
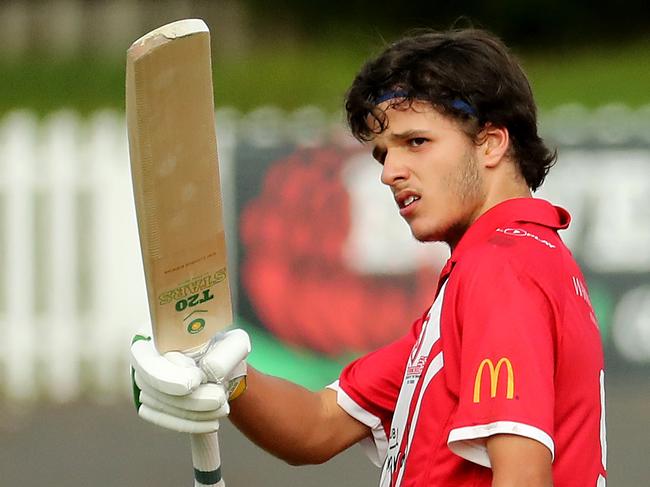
<point x="468" y="74"/>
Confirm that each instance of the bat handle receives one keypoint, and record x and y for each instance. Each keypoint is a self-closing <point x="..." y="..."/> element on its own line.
<point x="206" y="460"/>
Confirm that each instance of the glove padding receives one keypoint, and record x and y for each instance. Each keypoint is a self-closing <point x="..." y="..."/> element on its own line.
<point x="172" y="391"/>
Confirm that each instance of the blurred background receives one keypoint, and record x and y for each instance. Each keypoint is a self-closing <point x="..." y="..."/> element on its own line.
<point x="324" y="267"/>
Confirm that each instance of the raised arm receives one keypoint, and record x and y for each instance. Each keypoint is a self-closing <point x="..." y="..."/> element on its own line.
<point x="292" y="423"/>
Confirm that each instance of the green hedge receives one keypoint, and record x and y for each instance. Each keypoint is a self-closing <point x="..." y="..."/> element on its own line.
<point x="319" y="75"/>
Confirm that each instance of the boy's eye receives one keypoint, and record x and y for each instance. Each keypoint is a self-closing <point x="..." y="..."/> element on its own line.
<point x="416" y="141"/>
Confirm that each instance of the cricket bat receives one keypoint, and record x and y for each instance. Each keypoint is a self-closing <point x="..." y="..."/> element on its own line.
<point x="175" y="172"/>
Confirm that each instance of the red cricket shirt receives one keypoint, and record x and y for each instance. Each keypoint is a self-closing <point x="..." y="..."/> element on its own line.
<point x="510" y="345"/>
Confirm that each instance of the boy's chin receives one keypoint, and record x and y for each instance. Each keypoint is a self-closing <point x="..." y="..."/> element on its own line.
<point x="432" y="234"/>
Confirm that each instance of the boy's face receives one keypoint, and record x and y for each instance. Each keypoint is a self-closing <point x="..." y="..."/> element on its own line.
<point x="431" y="167"/>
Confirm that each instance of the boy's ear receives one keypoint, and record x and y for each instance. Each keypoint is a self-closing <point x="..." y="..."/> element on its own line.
<point x="494" y="143"/>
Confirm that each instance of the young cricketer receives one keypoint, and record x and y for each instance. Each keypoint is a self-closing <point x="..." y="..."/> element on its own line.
<point x="501" y="381"/>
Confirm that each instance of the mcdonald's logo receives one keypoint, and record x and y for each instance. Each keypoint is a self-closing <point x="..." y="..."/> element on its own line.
<point x="494" y="378"/>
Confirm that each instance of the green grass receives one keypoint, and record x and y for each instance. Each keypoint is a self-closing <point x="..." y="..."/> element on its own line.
<point x="319" y="75"/>
<point x="43" y="85"/>
<point x="593" y="77"/>
<point x="289" y="79"/>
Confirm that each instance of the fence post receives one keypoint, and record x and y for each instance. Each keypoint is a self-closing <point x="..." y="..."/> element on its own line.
<point x="60" y="324"/>
<point x="18" y="137"/>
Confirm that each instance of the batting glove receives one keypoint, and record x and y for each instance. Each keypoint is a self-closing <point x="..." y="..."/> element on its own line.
<point x="189" y="394"/>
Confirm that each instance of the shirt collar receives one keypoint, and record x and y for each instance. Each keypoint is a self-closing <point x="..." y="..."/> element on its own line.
<point x="522" y="210"/>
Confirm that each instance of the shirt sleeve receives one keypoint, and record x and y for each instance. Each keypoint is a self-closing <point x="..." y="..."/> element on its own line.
<point x="505" y="322"/>
<point x="368" y="388"/>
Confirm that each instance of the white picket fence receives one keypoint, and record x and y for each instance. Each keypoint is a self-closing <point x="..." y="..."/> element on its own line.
<point x="71" y="284"/>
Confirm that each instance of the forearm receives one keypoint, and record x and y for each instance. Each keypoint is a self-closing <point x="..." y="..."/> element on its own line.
<point x="291" y="422"/>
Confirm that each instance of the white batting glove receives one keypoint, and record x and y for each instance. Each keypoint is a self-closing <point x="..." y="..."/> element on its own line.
<point x="224" y="361"/>
<point x="172" y="391"/>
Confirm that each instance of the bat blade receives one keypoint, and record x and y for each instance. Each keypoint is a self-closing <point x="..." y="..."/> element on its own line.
<point x="175" y="172"/>
<point x="174" y="166"/>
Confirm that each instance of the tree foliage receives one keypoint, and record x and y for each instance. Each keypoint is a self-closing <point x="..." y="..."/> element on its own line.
<point x="530" y="23"/>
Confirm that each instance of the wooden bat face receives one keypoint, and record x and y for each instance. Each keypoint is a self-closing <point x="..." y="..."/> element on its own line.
<point x="174" y="166"/>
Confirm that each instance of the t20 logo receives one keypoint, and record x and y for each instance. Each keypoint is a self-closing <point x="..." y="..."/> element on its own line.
<point x="193" y="300"/>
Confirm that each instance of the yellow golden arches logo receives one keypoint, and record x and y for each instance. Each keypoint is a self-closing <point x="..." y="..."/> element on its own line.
<point x="494" y="378"/>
